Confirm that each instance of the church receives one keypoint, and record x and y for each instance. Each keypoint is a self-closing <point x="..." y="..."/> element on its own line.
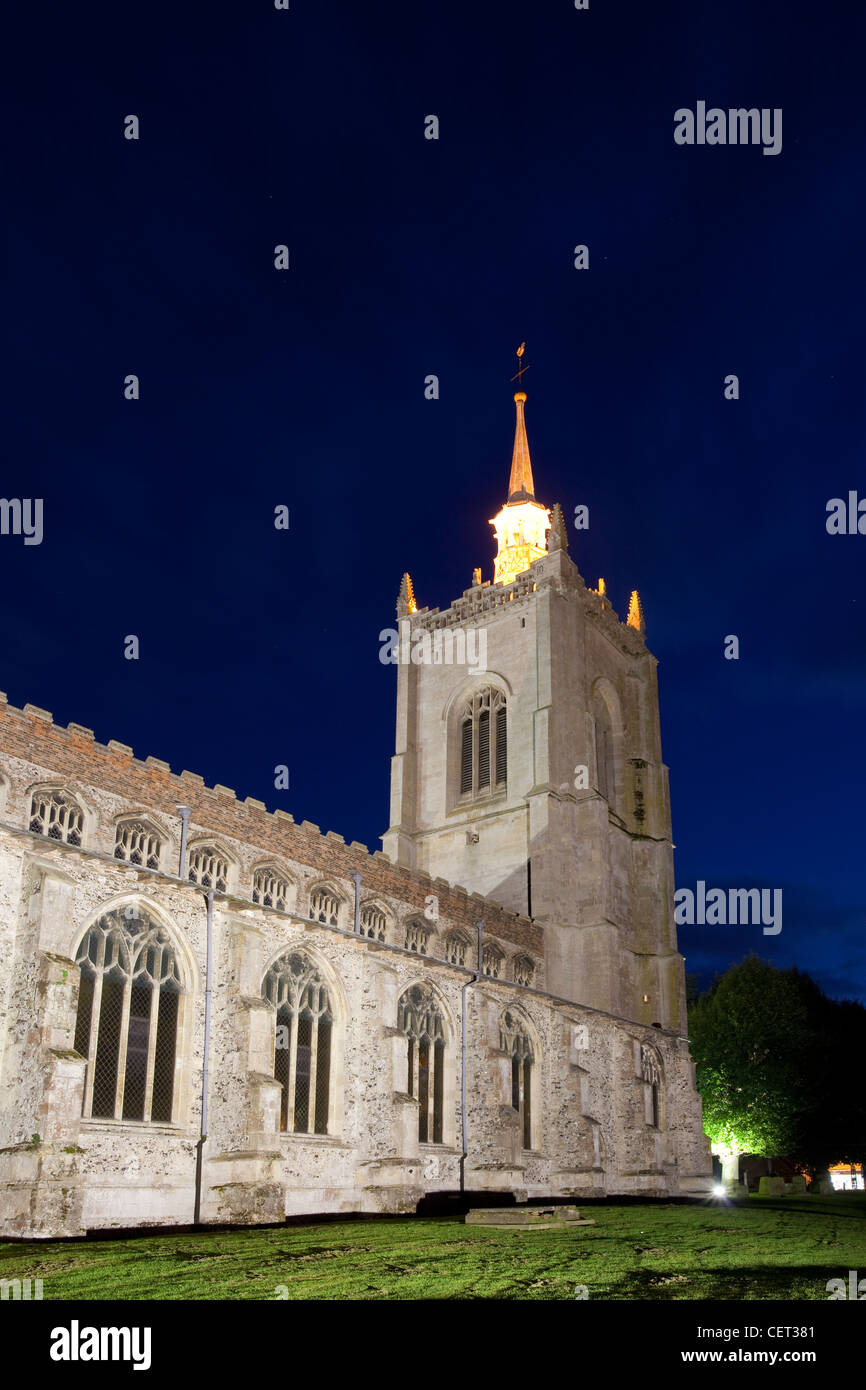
<point x="211" y="1013"/>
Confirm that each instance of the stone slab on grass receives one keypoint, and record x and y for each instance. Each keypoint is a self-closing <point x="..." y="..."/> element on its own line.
<point x="525" y="1218"/>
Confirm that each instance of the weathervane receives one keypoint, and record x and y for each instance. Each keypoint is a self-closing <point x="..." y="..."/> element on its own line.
<point x="518" y="376"/>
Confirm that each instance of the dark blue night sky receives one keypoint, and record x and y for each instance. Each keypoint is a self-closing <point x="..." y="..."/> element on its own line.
<point x="411" y="257"/>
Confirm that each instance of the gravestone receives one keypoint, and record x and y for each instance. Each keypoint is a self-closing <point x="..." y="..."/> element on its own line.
<point x="771" y="1187"/>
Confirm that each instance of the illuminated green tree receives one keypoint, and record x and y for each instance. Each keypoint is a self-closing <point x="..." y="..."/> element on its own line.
<point x="749" y="1037"/>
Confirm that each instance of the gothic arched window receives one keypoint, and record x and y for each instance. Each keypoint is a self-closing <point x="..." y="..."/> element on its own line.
<point x="208" y="867"/>
<point x="483" y="743"/>
<point x="417" y="938"/>
<point x="270" y="888"/>
<point x="651" y="1079"/>
<point x="302" y="1052"/>
<point x="58" y="815"/>
<point x="607" y="726"/>
<point x="492" y="961"/>
<point x="373" y="922"/>
<point x="524" y="970"/>
<point x="514" y="1041"/>
<point x="138" y="842"/>
<point x="325" y="905"/>
<point x="456" y="947"/>
<point x="127" y="1021"/>
<point x="420" y="1019"/>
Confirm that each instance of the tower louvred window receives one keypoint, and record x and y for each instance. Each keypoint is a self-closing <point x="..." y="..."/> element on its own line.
<point x="484" y="748"/>
<point x="483" y="743"/>
<point x="605" y="771"/>
<point x="466" y="757"/>
<point x="501" y="745"/>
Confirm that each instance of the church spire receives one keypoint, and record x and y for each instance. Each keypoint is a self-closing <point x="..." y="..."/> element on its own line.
<point x="521" y="487"/>
<point x="522" y="524"/>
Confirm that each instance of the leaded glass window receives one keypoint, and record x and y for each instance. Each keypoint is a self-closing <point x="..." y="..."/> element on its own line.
<point x="524" y="970"/>
<point x="128" y="1012"/>
<point x="325" y="906"/>
<point x="492" y="961"/>
<point x="373" y="922"/>
<point x="270" y="889"/>
<point x="209" y="868"/>
<point x="514" y="1040"/>
<point x="303" y="1045"/>
<point x="417" y="936"/>
<point x="57" y="815"/>
<point x="138" y="842"/>
<point x="420" y="1019"/>
<point x="652" y="1090"/>
<point x="456" y="947"/>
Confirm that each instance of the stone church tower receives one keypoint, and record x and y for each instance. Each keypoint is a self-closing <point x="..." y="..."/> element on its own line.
<point x="539" y="780"/>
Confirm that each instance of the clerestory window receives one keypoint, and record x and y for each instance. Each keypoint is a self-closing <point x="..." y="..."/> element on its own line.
<point x="208" y="867"/>
<point x="492" y="961"/>
<point x="138" y="842"/>
<point x="57" y="815"/>
<point x="325" y="906"/>
<point x="373" y="922"/>
<point x="270" y="889"/>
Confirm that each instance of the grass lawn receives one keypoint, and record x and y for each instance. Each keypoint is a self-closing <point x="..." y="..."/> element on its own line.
<point x="763" y="1249"/>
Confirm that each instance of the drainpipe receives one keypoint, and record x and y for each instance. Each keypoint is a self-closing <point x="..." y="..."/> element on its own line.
<point x="183" y="812"/>
<point x="468" y="985"/>
<point x="208" y="991"/>
<point x="357" y="877"/>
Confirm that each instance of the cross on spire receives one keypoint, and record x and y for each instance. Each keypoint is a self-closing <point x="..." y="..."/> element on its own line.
<point x="518" y="375"/>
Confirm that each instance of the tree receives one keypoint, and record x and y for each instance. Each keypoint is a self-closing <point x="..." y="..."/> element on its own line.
<point x="749" y="1035"/>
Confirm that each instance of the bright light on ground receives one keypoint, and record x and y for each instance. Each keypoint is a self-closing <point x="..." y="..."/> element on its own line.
<point x="718" y="1189"/>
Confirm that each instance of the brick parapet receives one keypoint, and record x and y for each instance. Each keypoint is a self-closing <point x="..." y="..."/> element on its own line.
<point x="73" y="756"/>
